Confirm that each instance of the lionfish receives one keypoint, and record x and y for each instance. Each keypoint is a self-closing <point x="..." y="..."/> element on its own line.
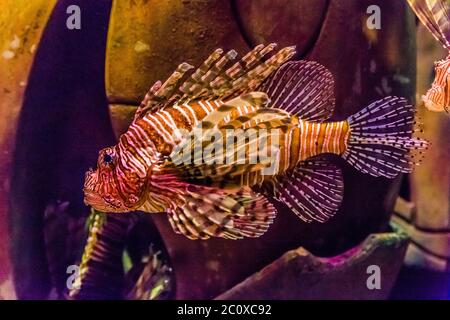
<point x="288" y="101"/>
<point x="435" y="15"/>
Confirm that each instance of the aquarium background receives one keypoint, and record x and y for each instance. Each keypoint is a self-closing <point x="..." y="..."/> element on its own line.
<point x="67" y="93"/>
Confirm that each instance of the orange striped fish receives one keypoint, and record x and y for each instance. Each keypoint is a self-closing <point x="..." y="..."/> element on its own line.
<point x="177" y="155"/>
<point x="435" y="15"/>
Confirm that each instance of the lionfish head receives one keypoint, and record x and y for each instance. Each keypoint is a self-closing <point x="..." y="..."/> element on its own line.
<point x="436" y="99"/>
<point x="104" y="188"/>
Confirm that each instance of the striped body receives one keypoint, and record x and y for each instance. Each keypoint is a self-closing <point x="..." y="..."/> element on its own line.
<point x="157" y="133"/>
<point x="162" y="129"/>
<point x="438" y="96"/>
<point x="307" y="140"/>
<point x="310" y="139"/>
<point x="160" y="132"/>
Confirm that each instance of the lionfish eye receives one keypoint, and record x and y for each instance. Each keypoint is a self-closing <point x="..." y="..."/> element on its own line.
<point x="107" y="158"/>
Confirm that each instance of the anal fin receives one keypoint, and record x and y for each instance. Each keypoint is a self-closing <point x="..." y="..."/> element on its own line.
<point x="313" y="190"/>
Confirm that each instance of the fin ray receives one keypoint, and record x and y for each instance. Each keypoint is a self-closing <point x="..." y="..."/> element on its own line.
<point x="381" y="141"/>
<point x="313" y="190"/>
<point x="214" y="80"/>
<point x="302" y="88"/>
<point x="209" y="212"/>
<point x="434" y="14"/>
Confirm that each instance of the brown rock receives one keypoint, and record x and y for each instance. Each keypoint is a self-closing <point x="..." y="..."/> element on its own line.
<point x="298" y="274"/>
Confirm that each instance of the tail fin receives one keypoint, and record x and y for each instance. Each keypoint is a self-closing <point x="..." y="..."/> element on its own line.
<point x="381" y="142"/>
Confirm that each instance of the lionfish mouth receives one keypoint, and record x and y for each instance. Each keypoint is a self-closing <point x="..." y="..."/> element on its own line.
<point x="91" y="197"/>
